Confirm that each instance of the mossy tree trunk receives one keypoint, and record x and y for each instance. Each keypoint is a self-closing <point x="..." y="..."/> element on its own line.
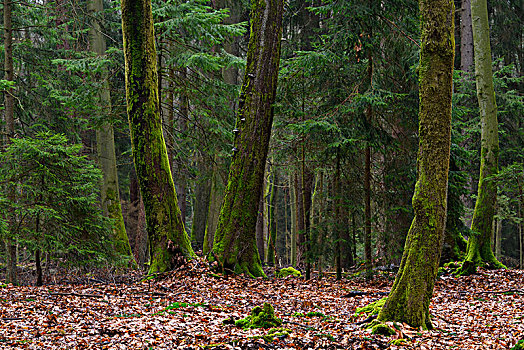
<point x="235" y="241"/>
<point x="9" y="110"/>
<point x="411" y="293"/>
<point x="479" y="251"/>
<point x="105" y="142"/>
<point x="201" y="203"/>
<point x="167" y="236"/>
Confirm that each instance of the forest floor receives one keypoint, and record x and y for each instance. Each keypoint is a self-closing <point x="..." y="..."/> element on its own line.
<point x="185" y="309"/>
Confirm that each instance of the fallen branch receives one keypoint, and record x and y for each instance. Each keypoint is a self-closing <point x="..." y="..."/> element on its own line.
<point x="359" y="293"/>
<point x="77" y="295"/>
<point x="491" y="291"/>
<point x="367" y="320"/>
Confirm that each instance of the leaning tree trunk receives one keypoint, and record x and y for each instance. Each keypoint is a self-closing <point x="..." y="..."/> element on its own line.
<point x="9" y="109"/>
<point x="479" y="251"/>
<point x="411" y="293"/>
<point x="105" y="142"/>
<point x="235" y="241"/>
<point x="167" y="236"/>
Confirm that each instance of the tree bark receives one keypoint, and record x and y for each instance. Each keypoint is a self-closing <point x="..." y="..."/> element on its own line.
<point x="412" y="290"/>
<point x="466" y="37"/>
<point x="201" y="205"/>
<point x="167" y="236"/>
<point x="235" y="241"/>
<point x="272" y="242"/>
<point x="105" y="141"/>
<point x="479" y="252"/>
<point x="9" y="109"/>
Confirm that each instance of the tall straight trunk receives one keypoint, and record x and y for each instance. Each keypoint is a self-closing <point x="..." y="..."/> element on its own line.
<point x="307" y="189"/>
<point x="479" y="252"/>
<point x="338" y="219"/>
<point x="293" y="218"/>
<point x="272" y="242"/>
<point x="9" y="110"/>
<point x="521" y="224"/>
<point x="167" y="236"/>
<point x="299" y="215"/>
<point x="105" y="141"/>
<point x="412" y="290"/>
<point x="368" y="257"/>
<point x="259" y="229"/>
<point x="466" y="37"/>
<point x="235" y="239"/>
<point x="201" y="206"/>
<point x="215" y="201"/>
<point x="498" y="234"/>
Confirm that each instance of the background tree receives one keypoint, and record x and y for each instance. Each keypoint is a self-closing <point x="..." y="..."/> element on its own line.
<point x="479" y="251"/>
<point x="235" y="241"/>
<point x="411" y="292"/>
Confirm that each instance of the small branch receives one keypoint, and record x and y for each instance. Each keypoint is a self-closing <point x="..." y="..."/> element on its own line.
<point x="77" y="295"/>
<point x="367" y="320"/>
<point x="491" y="291"/>
<point x="359" y="293"/>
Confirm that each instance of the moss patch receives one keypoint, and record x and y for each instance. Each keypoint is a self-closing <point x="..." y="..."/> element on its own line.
<point x="382" y="329"/>
<point x="371" y="309"/>
<point x="261" y="317"/>
<point x="276" y="333"/>
<point x="519" y="345"/>
<point x="288" y="271"/>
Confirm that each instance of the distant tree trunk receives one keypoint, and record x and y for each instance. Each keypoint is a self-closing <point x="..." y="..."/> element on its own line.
<point x="479" y="252"/>
<point x="498" y="235"/>
<point x="272" y="243"/>
<point x="368" y="256"/>
<point x="338" y="218"/>
<point x="235" y="240"/>
<point x="521" y="224"/>
<point x="167" y="236"/>
<point x="9" y="110"/>
<point x="201" y="206"/>
<point x="412" y="290"/>
<point x="466" y="37"/>
<point x="215" y="201"/>
<point x="259" y="229"/>
<point x="293" y="217"/>
<point x="110" y="196"/>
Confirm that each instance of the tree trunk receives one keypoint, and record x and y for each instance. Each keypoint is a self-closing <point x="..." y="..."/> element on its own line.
<point x="235" y="241"/>
<point x="272" y="243"/>
<point x="9" y="109"/>
<point x="479" y="252"/>
<point x="466" y="37"/>
<point x="338" y="219"/>
<point x="201" y="206"/>
<point x="293" y="216"/>
<point x="411" y="292"/>
<point x="167" y="236"/>
<point x="110" y="196"/>
<point x="215" y="201"/>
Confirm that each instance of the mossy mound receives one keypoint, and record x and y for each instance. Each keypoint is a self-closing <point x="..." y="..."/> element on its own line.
<point x="276" y="333"/>
<point x="382" y="329"/>
<point x="288" y="271"/>
<point x="371" y="309"/>
<point x="261" y="317"/>
<point x="519" y="345"/>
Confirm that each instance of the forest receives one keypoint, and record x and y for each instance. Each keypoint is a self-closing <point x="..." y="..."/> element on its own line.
<point x="262" y="174"/>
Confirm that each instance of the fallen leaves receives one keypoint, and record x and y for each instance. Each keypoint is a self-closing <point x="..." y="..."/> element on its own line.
<point x="186" y="310"/>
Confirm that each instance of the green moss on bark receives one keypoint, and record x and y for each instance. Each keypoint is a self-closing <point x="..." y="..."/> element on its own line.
<point x="235" y="239"/>
<point x="412" y="290"/>
<point x="167" y="236"/>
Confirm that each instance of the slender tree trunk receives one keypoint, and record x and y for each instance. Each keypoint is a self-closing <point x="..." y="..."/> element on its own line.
<point x="235" y="239"/>
<point x="521" y="224"/>
<point x="466" y="37"/>
<point x="293" y="217"/>
<point x="272" y="243"/>
<point x="479" y="252"/>
<point x="105" y="141"/>
<point x="260" y="226"/>
<point x="201" y="206"/>
<point x="412" y="290"/>
<point x="338" y="219"/>
<point x="9" y="109"/>
<point x="367" y="212"/>
<point x="215" y="201"/>
<point x="167" y="236"/>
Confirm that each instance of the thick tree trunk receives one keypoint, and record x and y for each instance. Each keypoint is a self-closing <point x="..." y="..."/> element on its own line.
<point x="110" y="196"/>
<point x="411" y="292"/>
<point x="235" y="241"/>
<point x="167" y="236"/>
<point x="9" y="109"/>
<point x="479" y="252"/>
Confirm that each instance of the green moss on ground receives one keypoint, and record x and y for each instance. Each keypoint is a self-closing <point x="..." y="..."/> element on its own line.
<point x="519" y="345"/>
<point x="276" y="333"/>
<point x="382" y="329"/>
<point x="398" y="342"/>
<point x="288" y="271"/>
<point x="261" y="317"/>
<point x="371" y="309"/>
